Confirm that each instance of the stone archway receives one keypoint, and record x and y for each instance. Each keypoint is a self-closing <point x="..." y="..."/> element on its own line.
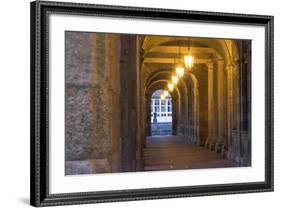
<point x="218" y="91"/>
<point x="214" y="58"/>
<point x="160" y="85"/>
<point x="185" y="104"/>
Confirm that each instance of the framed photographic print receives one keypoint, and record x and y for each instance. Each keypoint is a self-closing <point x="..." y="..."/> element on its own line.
<point x="132" y="103"/>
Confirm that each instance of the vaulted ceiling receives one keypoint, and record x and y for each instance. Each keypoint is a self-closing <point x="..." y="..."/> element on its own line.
<point x="162" y="53"/>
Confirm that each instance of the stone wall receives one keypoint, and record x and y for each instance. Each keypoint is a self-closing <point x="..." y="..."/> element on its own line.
<point x="78" y="125"/>
<point x="100" y="103"/>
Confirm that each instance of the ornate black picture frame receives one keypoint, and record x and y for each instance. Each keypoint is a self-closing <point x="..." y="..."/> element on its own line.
<point x="40" y="179"/>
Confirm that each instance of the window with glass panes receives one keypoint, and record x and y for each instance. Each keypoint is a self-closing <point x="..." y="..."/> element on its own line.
<point x="163" y="109"/>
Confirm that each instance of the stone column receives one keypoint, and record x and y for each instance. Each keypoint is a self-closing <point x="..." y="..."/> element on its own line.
<point x="229" y="107"/>
<point x="221" y="101"/>
<point x="247" y="152"/>
<point x="175" y="115"/>
<point x="104" y="100"/>
<point x="142" y="115"/>
<point x="233" y="112"/>
<point x="184" y="113"/>
<point x="128" y="102"/>
<point x="139" y="165"/>
<point x="113" y="99"/>
<point x="196" y="139"/>
<point x="215" y="109"/>
<point x="179" y="110"/>
<point x="211" y="115"/>
<point x="238" y="100"/>
<point x="190" y="114"/>
<point x="143" y="107"/>
<point x="148" y="114"/>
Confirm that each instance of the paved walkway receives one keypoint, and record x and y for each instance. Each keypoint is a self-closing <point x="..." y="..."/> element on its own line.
<point x="171" y="152"/>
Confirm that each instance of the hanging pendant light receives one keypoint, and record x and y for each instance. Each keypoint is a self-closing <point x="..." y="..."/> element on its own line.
<point x="175" y="79"/>
<point x="179" y="67"/>
<point x="188" y="59"/>
<point x="179" y="71"/>
<point x="170" y="87"/>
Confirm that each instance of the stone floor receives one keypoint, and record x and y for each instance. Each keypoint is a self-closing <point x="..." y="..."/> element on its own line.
<point x="171" y="152"/>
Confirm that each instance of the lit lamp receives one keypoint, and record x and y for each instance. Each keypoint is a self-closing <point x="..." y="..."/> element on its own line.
<point x="170" y="87"/>
<point x="162" y="96"/>
<point x="188" y="61"/>
<point x="175" y="79"/>
<point x="179" y="71"/>
<point x="166" y="93"/>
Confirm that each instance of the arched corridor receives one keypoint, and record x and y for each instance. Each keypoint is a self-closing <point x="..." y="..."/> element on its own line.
<point x="116" y="123"/>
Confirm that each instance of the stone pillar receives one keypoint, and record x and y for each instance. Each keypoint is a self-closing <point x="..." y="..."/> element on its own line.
<point x="113" y="112"/>
<point x="142" y="115"/>
<point x="128" y="102"/>
<point x="229" y="107"/>
<point x="211" y="113"/>
<point x="233" y="112"/>
<point x="190" y="114"/>
<point x="238" y="111"/>
<point x="184" y="112"/>
<point x="139" y="165"/>
<point x="221" y="100"/>
<point x="143" y="107"/>
<point x="179" y="110"/>
<point x="247" y="106"/>
<point x="148" y="114"/>
<point x="183" y="120"/>
<point x="196" y="139"/>
<point x="104" y="100"/>
<point x="175" y="114"/>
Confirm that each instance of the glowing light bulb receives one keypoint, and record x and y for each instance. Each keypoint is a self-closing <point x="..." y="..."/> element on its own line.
<point x="170" y="87"/>
<point x="188" y="61"/>
<point x="162" y="96"/>
<point x="179" y="71"/>
<point x="175" y="79"/>
<point x="166" y="93"/>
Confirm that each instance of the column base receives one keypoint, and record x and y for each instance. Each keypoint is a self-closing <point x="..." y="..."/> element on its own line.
<point x="212" y="145"/>
<point x="219" y="146"/>
<point x="208" y="141"/>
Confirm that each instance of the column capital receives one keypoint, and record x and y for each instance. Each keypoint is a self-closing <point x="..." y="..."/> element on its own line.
<point x="210" y="64"/>
<point x="230" y="66"/>
<point x="228" y="71"/>
<point x="238" y="62"/>
<point x="235" y="74"/>
<point x="220" y="62"/>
